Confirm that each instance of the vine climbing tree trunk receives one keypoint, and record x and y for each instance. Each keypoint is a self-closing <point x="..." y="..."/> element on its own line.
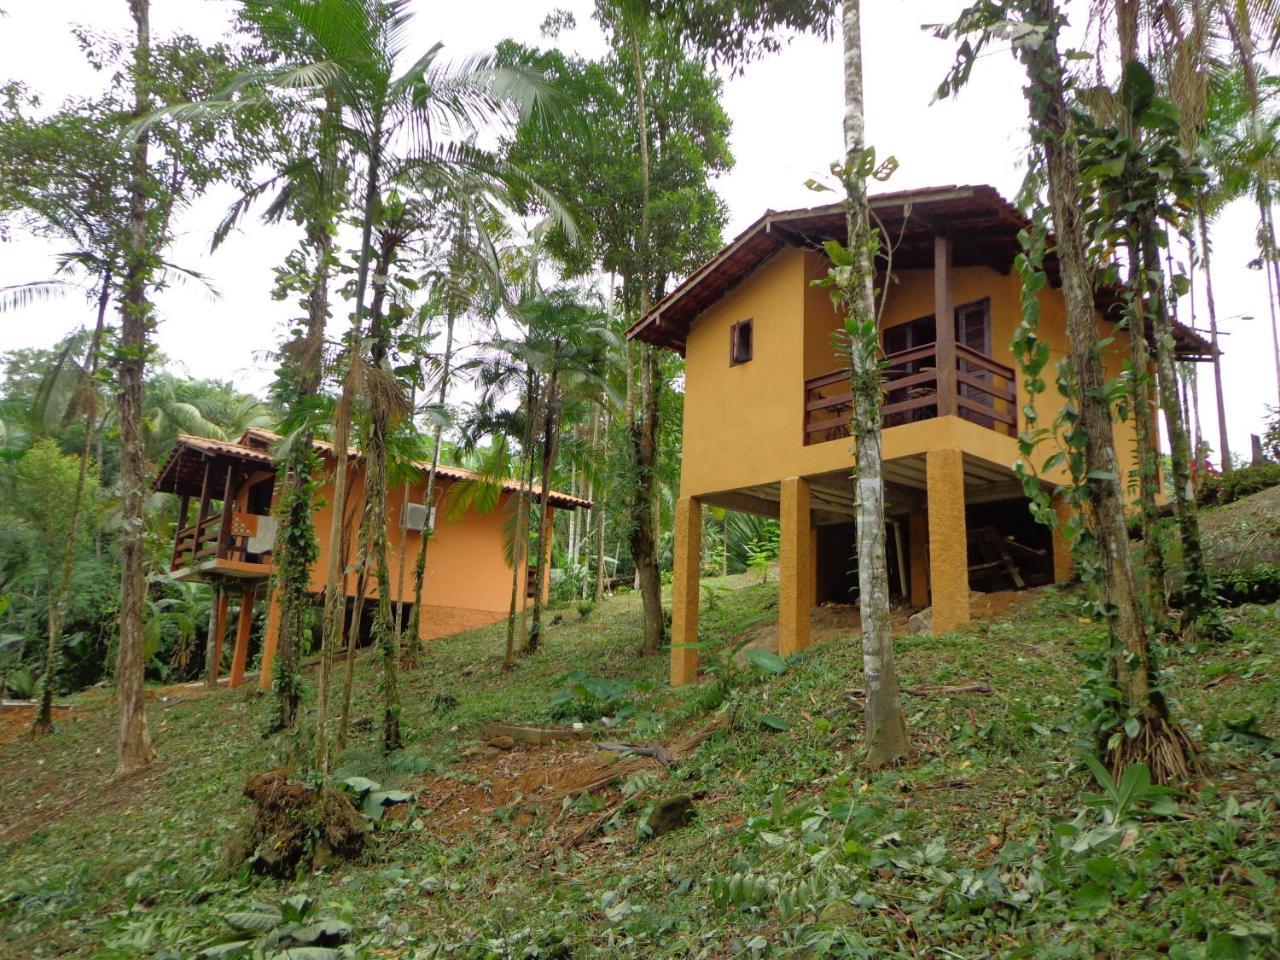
<point x="643" y="429"/>
<point x="1197" y="600"/>
<point x="886" y="729"/>
<point x="1157" y="740"/>
<point x="1145" y="437"/>
<point x="134" y="749"/>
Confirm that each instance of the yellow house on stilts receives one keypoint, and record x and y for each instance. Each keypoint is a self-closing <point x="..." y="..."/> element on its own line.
<point x="225" y="536"/>
<point x="766" y="406"/>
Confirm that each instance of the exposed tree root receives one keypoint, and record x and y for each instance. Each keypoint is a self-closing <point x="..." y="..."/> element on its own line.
<point x="295" y="826"/>
<point x="1163" y="746"/>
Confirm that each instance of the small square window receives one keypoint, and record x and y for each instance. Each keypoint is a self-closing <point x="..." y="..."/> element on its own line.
<point x="740" y="342"/>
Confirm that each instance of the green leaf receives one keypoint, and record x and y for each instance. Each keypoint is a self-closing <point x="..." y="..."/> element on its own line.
<point x="377" y="801"/>
<point x="1131" y="727"/>
<point x="1092" y="897"/>
<point x="258" y="920"/>
<point x="768" y="661"/>
<point x="360" y="785"/>
<point x="771" y="722"/>
<point x="307" y="953"/>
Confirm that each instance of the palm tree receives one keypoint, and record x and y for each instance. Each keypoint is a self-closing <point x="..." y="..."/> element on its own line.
<point x="567" y="342"/>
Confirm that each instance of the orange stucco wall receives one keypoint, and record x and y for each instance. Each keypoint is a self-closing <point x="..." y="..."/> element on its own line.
<point x="743" y="424"/>
<point x="468" y="580"/>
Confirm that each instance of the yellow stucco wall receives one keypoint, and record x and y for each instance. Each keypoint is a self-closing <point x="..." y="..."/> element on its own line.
<point x="468" y="581"/>
<point x="743" y="424"/>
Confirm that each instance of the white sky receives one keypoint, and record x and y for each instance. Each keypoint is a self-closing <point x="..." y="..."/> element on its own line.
<point x="786" y="114"/>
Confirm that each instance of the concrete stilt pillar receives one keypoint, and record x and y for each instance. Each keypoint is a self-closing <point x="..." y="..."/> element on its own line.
<point x="269" y="642"/>
<point x="948" y="540"/>
<point x="244" y="624"/>
<point x="918" y="551"/>
<point x="796" y="577"/>
<point x="1064" y="567"/>
<point x="684" y="591"/>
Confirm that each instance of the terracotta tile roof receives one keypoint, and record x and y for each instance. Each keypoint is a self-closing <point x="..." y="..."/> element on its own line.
<point x="984" y="224"/>
<point x="257" y="440"/>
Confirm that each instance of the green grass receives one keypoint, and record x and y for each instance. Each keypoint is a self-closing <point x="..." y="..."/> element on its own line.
<point x="798" y="850"/>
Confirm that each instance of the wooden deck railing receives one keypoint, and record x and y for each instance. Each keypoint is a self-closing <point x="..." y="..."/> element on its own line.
<point x="205" y="540"/>
<point x="985" y="392"/>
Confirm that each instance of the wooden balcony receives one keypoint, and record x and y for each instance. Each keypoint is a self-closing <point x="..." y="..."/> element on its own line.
<point x="978" y="389"/>
<point x="212" y="546"/>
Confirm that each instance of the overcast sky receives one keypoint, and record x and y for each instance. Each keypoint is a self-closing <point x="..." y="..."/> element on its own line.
<point x="786" y="114"/>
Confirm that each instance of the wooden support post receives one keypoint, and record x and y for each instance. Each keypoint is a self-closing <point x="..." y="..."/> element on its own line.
<point x="269" y="642"/>
<point x="684" y="591"/>
<point x="794" y="562"/>
<point x="205" y="493"/>
<point x="244" y="625"/>
<point x="184" y="507"/>
<point x="220" y="629"/>
<point x="228" y="508"/>
<point x="918" y="551"/>
<point x="948" y="539"/>
<point x="945" y="325"/>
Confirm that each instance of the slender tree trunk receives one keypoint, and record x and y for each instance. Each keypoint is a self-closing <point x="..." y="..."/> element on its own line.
<point x="334" y="594"/>
<point x="886" y="729"/>
<point x="644" y="431"/>
<point x="43" y="722"/>
<point x="528" y="469"/>
<point x="1271" y="265"/>
<point x="420" y="565"/>
<point x="1160" y="743"/>
<point x="545" y="517"/>
<point x="1146" y="436"/>
<point x="211" y="638"/>
<point x="519" y="560"/>
<point x="134" y="749"/>
<point x="1196" y="591"/>
<point x="1224" y="447"/>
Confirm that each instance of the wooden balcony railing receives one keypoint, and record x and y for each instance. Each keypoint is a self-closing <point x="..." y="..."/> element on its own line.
<point x="981" y="390"/>
<point x="205" y="540"/>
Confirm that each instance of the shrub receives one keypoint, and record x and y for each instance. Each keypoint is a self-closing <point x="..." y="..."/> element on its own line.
<point x="585" y="607"/>
<point x="1224" y="488"/>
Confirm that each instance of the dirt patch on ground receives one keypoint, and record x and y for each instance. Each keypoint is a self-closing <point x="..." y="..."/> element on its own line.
<point x="15" y="721"/>
<point x="521" y="780"/>
<point x="834" y="621"/>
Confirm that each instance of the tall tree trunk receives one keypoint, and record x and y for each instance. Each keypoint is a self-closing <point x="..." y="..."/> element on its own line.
<point x="134" y="749"/>
<point x="1160" y="743"/>
<point x="420" y="565"/>
<point x="1146" y="436"/>
<point x="296" y="546"/>
<point x="519" y="541"/>
<point x="886" y="729"/>
<point x="43" y="722"/>
<point x="334" y="593"/>
<point x="545" y="517"/>
<point x="1224" y="446"/>
<point x="1271" y="265"/>
<point x="644" y="430"/>
<point x="1196" y="592"/>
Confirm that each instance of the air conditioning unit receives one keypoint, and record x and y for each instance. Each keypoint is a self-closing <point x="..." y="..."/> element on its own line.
<point x="416" y="516"/>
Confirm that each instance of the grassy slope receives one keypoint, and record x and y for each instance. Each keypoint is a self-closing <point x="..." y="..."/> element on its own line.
<point x="953" y="851"/>
<point x="1244" y="533"/>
